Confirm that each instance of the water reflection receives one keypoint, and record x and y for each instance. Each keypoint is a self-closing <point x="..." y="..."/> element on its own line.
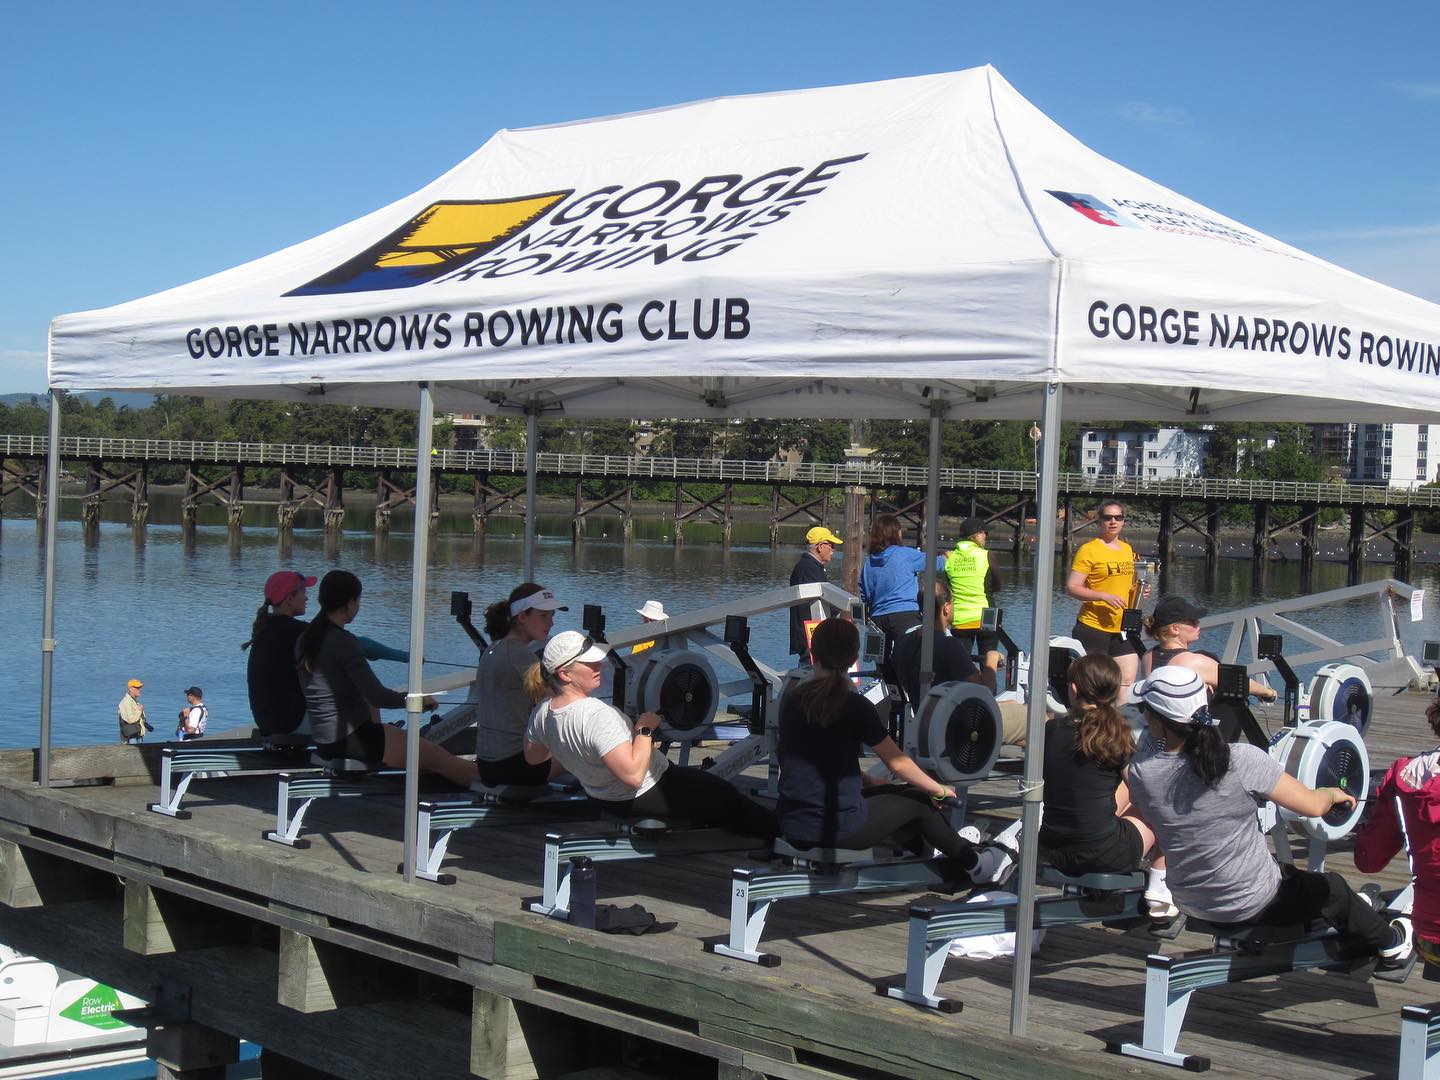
<point x="171" y="605"/>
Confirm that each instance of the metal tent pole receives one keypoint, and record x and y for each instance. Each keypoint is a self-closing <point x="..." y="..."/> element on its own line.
<point x="419" y="564"/>
<point x="531" y="470"/>
<point x="932" y="549"/>
<point x="47" y="632"/>
<point x="1032" y="787"/>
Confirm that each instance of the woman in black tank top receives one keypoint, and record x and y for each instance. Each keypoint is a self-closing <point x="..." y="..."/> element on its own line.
<point x="1175" y="626"/>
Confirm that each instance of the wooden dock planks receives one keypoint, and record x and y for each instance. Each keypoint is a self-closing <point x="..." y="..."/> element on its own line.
<point x="814" y="1014"/>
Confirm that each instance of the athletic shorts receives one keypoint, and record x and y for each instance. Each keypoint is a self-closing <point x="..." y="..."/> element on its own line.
<point x="1118" y="853"/>
<point x="366" y="743"/>
<point x="1102" y="641"/>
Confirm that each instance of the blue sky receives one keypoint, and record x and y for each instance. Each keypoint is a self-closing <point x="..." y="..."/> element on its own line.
<point x="150" y="144"/>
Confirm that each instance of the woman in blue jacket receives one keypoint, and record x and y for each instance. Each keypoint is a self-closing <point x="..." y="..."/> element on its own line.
<point x="887" y="580"/>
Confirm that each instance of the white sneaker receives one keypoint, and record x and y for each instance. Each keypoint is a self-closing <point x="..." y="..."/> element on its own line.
<point x="973" y="834"/>
<point x="1009" y="836"/>
<point x="1398" y="953"/>
<point x="993" y="863"/>
<point x="1161" y="910"/>
<point x="1158" y="902"/>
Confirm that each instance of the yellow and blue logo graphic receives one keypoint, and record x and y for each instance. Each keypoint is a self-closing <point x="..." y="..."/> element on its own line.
<point x="441" y="238"/>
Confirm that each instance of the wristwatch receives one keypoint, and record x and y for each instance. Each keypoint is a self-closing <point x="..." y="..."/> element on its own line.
<point x="646" y="730"/>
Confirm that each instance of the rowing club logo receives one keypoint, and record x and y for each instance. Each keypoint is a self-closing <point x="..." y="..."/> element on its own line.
<point x="441" y="238"/>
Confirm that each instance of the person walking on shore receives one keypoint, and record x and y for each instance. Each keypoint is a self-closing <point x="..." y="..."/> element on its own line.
<point x="820" y="545"/>
<point x="1103" y="577"/>
<point x="133" y="724"/>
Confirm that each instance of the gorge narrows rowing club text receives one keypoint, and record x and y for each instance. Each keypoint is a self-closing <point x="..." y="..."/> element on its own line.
<point x="656" y="320"/>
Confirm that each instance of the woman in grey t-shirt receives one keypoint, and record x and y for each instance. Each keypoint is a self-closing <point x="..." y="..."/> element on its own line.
<point x="616" y="763"/>
<point x="516" y="625"/>
<point x="1199" y="794"/>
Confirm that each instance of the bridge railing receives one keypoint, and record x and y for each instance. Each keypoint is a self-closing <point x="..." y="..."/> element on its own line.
<point x="640" y="466"/>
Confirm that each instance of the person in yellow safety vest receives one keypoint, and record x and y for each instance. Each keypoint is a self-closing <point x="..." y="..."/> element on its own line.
<point x="650" y="611"/>
<point x="974" y="583"/>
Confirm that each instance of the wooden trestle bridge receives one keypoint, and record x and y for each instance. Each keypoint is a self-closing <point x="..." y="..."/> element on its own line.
<point x="801" y="493"/>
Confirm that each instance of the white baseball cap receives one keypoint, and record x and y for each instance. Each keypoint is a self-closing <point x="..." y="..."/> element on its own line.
<point x="570" y="647"/>
<point x="1176" y="694"/>
<point x="544" y="600"/>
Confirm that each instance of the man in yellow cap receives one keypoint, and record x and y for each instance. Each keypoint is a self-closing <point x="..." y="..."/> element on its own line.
<point x="820" y="545"/>
<point x="133" y="724"/>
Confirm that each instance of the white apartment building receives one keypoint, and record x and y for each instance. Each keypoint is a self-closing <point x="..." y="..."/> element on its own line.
<point x="1143" y="454"/>
<point x="1397" y="455"/>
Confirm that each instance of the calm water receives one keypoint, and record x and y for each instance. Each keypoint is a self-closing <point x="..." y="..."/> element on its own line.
<point x="173" y="612"/>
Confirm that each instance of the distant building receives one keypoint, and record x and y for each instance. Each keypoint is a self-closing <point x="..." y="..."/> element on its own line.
<point x="1143" y="453"/>
<point x="1397" y="455"/>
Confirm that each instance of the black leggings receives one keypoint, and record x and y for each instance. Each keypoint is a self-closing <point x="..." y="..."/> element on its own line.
<point x="909" y="818"/>
<point x="513" y="770"/>
<point x="894" y="626"/>
<point x="1305" y="897"/>
<point x="699" y="797"/>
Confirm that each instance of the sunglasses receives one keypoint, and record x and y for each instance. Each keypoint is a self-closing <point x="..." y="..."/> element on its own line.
<point x="585" y="647"/>
<point x="1112" y="517"/>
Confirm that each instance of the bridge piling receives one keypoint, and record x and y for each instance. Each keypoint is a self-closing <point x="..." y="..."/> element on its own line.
<point x="1258" y="564"/>
<point x="90" y="508"/>
<point x="1355" y="549"/>
<point x="334" y="501"/>
<point x="1212" y="538"/>
<point x="285" y="511"/>
<point x="383" y="491"/>
<point x="1309" y="543"/>
<point x="235" y="507"/>
<point x="627" y="520"/>
<point x="190" y="499"/>
<point x="479" y="508"/>
<point x="577" y="516"/>
<point x="140" y="507"/>
<point x="1165" y="540"/>
<point x="1067" y="534"/>
<point x="1262" y="531"/>
<point x="1404" y="541"/>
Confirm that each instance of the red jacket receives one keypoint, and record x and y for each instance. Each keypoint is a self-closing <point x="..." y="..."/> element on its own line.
<point x="1379" y="840"/>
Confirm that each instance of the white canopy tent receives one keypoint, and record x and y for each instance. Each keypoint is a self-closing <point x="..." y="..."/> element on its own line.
<point x="926" y="247"/>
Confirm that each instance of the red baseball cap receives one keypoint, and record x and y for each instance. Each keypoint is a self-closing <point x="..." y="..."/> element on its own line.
<point x="279" y="585"/>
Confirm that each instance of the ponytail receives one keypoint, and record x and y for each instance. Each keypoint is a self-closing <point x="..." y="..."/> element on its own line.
<point x="262" y="617"/>
<point x="337" y="589"/>
<point x="823" y="695"/>
<point x="540" y="684"/>
<point x="835" y="645"/>
<point x="1206" y="748"/>
<point x="1102" y="735"/>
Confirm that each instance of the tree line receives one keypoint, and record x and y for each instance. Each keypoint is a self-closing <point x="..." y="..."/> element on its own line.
<point x="1285" y="452"/>
<point x="1244" y="451"/>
